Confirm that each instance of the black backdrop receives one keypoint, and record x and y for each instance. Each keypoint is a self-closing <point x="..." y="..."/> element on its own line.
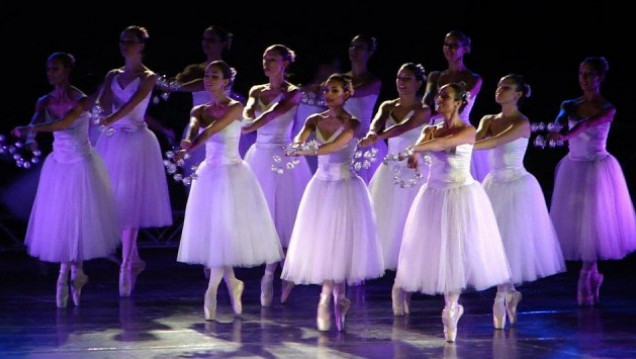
<point x="534" y="39"/>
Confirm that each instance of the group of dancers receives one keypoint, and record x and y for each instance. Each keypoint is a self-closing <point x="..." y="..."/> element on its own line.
<point x="457" y="221"/>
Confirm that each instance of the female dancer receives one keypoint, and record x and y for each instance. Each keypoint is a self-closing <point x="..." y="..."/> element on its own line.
<point x="591" y="207"/>
<point x="367" y="88"/>
<point x="527" y="232"/>
<point x="227" y="222"/>
<point x="329" y="247"/>
<point x="400" y="121"/>
<point x="73" y="218"/>
<point x="456" y="45"/>
<point x="214" y="43"/>
<point x="271" y="109"/>
<point x="132" y="154"/>
<point x="451" y="240"/>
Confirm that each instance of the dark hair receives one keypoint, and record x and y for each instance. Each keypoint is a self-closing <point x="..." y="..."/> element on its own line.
<point x="228" y="71"/>
<point x="461" y="94"/>
<point x="416" y="69"/>
<point x="140" y="32"/>
<point x="345" y="80"/>
<point x="370" y="41"/>
<point x="67" y="60"/>
<point x="521" y="85"/>
<point x="462" y="38"/>
<point x="599" y="63"/>
<point x="224" y="35"/>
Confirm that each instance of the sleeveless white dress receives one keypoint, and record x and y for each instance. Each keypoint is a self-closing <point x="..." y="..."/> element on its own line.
<point x="362" y="108"/>
<point x="282" y="191"/>
<point x="451" y="239"/>
<point x="390" y="201"/>
<point x="133" y="159"/>
<point x="591" y="206"/>
<point x="335" y="236"/>
<point x="73" y="216"/>
<point x="479" y="166"/>
<point x="526" y="229"/>
<point x="227" y="222"/>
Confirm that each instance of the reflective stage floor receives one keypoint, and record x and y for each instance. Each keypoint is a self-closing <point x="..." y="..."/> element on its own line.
<point x="164" y="318"/>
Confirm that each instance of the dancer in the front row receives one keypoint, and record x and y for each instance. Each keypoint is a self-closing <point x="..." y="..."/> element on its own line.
<point x="591" y="207"/>
<point x="73" y="218"/>
<point x="227" y="223"/>
<point x="271" y="109"/>
<point x="132" y="154"/>
<point x="335" y="237"/>
<point x="529" y="238"/>
<point x="400" y="121"/>
<point x="451" y="240"/>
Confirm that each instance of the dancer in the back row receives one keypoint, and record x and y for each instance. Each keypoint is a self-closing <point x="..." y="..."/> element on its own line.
<point x="530" y="241"/>
<point x="270" y="111"/>
<point x="394" y="186"/>
<point x="591" y="207"/>
<point x="131" y="153"/>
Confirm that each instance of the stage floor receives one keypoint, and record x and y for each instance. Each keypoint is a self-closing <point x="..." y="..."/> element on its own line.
<point x="164" y="318"/>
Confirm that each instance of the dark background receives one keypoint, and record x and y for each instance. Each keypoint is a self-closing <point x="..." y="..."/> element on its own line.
<point x="533" y="39"/>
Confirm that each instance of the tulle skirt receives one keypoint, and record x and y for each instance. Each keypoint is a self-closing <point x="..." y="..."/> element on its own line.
<point x="73" y="216"/>
<point x="392" y="203"/>
<point x="135" y="165"/>
<point x="451" y="242"/>
<point x="592" y="210"/>
<point x="227" y="222"/>
<point x="335" y="236"/>
<point x="282" y="191"/>
<point x="529" y="238"/>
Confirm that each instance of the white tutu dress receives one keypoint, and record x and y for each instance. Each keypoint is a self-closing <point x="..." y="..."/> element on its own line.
<point x="73" y="216"/>
<point x="391" y="201"/>
<point x="526" y="229"/>
<point x="227" y="221"/>
<point x="335" y="236"/>
<point x="133" y="159"/>
<point x="282" y="191"/>
<point x="591" y="207"/>
<point x="362" y="108"/>
<point x="451" y="239"/>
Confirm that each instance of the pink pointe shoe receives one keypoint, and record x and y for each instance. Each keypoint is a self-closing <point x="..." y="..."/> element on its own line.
<point x="341" y="306"/>
<point x="512" y="300"/>
<point x="450" y="317"/>
<point x="596" y="280"/>
<point x="584" y="291"/>
<point x="285" y="291"/>
<point x="209" y="304"/>
<point x="397" y="301"/>
<point x="323" y="320"/>
<point x="499" y="311"/>
<point x="267" y="290"/>
<point x="61" y="294"/>
<point x="236" y="291"/>
<point x="76" y="287"/>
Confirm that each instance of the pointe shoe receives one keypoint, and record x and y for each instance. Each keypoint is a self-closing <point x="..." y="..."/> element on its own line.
<point x="209" y="305"/>
<point x="512" y="300"/>
<point x="499" y="311"/>
<point x="236" y="291"/>
<point x="584" y="292"/>
<point x="340" y="312"/>
<point x="61" y="294"/>
<point x="267" y="290"/>
<point x="76" y="287"/>
<point x="323" y="320"/>
<point x="450" y="317"/>
<point x="397" y="301"/>
<point x="286" y="290"/>
<point x="136" y="269"/>
<point x="596" y="280"/>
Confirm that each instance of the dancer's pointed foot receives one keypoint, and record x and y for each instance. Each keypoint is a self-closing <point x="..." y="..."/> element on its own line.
<point x="450" y="317"/>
